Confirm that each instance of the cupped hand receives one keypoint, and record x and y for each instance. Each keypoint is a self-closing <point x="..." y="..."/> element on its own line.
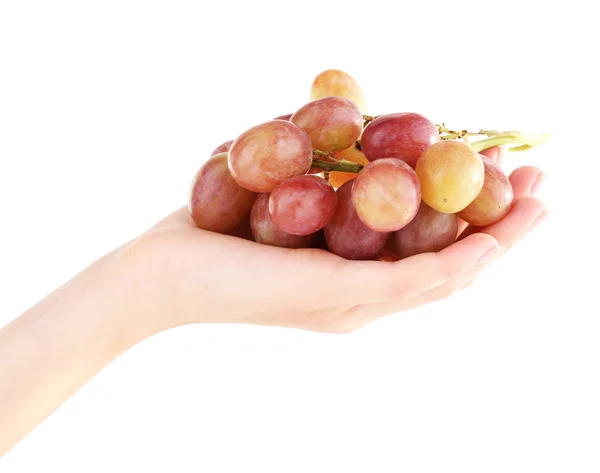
<point x="190" y="275"/>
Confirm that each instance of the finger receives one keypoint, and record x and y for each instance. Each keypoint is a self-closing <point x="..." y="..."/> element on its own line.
<point x="496" y="154"/>
<point x="525" y="181"/>
<point x="521" y="219"/>
<point x="512" y="228"/>
<point x="364" y="314"/>
<point x="492" y="153"/>
<point x="405" y="279"/>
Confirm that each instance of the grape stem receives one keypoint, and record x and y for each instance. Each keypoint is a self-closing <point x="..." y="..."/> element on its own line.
<point x="495" y="138"/>
<point x="368" y="119"/>
<point x="524" y="142"/>
<point x="346" y="166"/>
<point x="332" y="163"/>
<point x="328" y="162"/>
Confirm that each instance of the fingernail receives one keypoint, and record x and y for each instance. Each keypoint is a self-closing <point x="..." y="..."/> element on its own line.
<point x="536" y="223"/>
<point x="491" y="255"/>
<point x="538" y="184"/>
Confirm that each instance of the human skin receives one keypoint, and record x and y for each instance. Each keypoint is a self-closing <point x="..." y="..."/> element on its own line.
<point x="177" y="274"/>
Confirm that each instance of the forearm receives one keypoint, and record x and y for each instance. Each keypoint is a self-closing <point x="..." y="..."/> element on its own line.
<point x="55" y="347"/>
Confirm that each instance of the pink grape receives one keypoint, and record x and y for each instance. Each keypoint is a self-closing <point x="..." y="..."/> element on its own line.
<point x="399" y="135"/>
<point x="386" y="194"/>
<point x="429" y="231"/>
<point x="494" y="200"/>
<point x="302" y="205"/>
<point x="331" y="123"/>
<point x="346" y="235"/>
<point x="265" y="232"/>
<point x="285" y="117"/>
<point x="216" y="201"/>
<point x="222" y="148"/>
<point x="264" y="156"/>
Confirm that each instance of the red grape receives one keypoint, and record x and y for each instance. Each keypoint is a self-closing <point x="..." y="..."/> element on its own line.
<point x="264" y="156"/>
<point x="265" y="232"/>
<point x="386" y="194"/>
<point x="302" y="205"/>
<point x="399" y="135"/>
<point x="222" y="148"/>
<point x="429" y="231"/>
<point x="495" y="199"/>
<point x="346" y="235"/>
<point x="331" y="123"/>
<point x="336" y="83"/>
<point x="216" y="201"/>
<point x="451" y="175"/>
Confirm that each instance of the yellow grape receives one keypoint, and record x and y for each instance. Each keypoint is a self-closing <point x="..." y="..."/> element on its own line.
<point x="451" y="175"/>
<point x="336" y="83"/>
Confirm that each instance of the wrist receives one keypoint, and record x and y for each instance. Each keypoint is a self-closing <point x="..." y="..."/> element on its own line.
<point x="136" y="307"/>
<point x="148" y="287"/>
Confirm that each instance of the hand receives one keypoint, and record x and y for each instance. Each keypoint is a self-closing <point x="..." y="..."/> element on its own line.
<point x="177" y="274"/>
<point x="198" y="276"/>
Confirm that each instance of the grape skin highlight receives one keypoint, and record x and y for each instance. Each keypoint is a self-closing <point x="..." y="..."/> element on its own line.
<point x="264" y="156"/>
<point x="386" y="194"/>
<point x="216" y="201"/>
<point x="302" y="205"/>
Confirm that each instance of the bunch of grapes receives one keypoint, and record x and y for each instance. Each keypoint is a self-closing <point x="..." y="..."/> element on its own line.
<point x="330" y="177"/>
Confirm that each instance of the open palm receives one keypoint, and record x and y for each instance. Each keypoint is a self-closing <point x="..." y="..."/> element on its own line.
<point x="200" y="276"/>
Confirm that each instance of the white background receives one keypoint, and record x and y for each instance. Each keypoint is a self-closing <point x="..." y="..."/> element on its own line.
<point x="107" y="109"/>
